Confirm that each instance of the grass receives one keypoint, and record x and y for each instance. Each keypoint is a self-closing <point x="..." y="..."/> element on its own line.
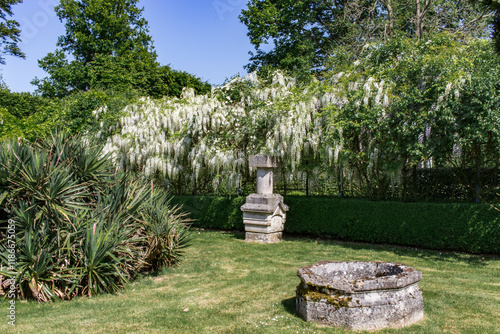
<point x="225" y="285"/>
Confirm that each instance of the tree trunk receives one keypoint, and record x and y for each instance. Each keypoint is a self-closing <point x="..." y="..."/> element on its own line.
<point x="340" y="181"/>
<point x="418" y="21"/>
<point x="195" y="188"/>
<point x="283" y="177"/>
<point x="419" y="17"/>
<point x="390" y="10"/>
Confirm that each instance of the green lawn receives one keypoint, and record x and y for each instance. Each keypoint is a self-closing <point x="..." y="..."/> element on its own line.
<point x="225" y="285"/>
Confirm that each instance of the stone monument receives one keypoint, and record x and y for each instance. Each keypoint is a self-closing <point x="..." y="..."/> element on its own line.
<point x="264" y="213"/>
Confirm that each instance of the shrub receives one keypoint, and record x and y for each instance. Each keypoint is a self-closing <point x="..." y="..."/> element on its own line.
<point x="79" y="111"/>
<point x="81" y="228"/>
<point x="213" y="211"/>
<point x="24" y="115"/>
<point x="444" y="226"/>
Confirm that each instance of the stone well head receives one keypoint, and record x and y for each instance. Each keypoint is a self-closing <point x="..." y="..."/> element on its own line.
<point x="360" y="295"/>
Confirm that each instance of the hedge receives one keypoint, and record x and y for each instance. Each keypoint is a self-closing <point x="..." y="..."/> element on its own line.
<point x="214" y="212"/>
<point x="467" y="227"/>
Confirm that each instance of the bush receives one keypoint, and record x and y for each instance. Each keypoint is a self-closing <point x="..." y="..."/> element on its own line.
<point x="31" y="117"/>
<point x="445" y="226"/>
<point x="22" y="104"/>
<point x="24" y="115"/>
<point x="80" y="227"/>
<point x="79" y="111"/>
<point x="465" y="227"/>
<point x="213" y="211"/>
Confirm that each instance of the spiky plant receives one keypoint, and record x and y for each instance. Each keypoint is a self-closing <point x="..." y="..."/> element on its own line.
<point x="165" y="231"/>
<point x="82" y="227"/>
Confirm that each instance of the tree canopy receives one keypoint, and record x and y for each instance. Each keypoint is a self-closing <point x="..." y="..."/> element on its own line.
<point x="110" y="48"/>
<point x="9" y="31"/>
<point x="302" y="34"/>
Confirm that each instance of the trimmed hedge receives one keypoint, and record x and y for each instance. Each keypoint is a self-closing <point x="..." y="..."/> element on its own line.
<point x="215" y="212"/>
<point x="465" y="227"/>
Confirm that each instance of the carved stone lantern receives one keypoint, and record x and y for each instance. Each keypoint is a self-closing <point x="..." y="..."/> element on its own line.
<point x="264" y="213"/>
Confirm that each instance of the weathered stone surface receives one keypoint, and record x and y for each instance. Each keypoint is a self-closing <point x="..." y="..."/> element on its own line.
<point x="264" y="238"/>
<point x="267" y="203"/>
<point x="360" y="295"/>
<point x="262" y="161"/>
<point x="264" y="212"/>
<point x="264" y="181"/>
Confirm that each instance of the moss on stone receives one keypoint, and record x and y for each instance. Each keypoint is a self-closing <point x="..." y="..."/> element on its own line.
<point x="336" y="301"/>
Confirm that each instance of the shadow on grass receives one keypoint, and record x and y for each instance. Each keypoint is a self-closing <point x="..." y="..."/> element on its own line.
<point x="431" y="255"/>
<point x="154" y="273"/>
<point x="236" y="235"/>
<point x="480" y="260"/>
<point x="289" y="305"/>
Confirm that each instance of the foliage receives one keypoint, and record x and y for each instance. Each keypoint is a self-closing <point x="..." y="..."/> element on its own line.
<point x="31" y="117"/>
<point x="9" y="31"/>
<point x="284" y="23"/>
<point x="24" y="115"/>
<point x="462" y="227"/>
<point x="22" y="104"/>
<point x="303" y="34"/>
<point x="165" y="232"/>
<point x="412" y="104"/>
<point x="80" y="109"/>
<point x="213" y="212"/>
<point x="369" y="125"/>
<point x="201" y="142"/>
<point x="171" y="82"/>
<point x="103" y="28"/>
<point x="81" y="227"/>
<point x="111" y="50"/>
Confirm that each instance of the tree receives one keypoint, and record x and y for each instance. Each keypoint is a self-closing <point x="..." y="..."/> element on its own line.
<point x="304" y="33"/>
<point x="429" y="103"/>
<point x="110" y="47"/>
<point x="97" y="27"/>
<point x="9" y="31"/>
<point x="494" y="5"/>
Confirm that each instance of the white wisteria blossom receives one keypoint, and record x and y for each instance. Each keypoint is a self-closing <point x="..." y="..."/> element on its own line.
<point x="185" y="138"/>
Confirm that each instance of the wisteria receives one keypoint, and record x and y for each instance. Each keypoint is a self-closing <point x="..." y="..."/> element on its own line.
<point x="361" y="125"/>
<point x="179" y="139"/>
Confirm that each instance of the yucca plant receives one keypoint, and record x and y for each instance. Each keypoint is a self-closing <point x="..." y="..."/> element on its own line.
<point x="82" y="227"/>
<point x="101" y="266"/>
<point x="40" y="273"/>
<point x="165" y="229"/>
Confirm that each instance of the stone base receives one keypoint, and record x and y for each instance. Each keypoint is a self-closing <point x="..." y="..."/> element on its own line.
<point x="264" y="238"/>
<point x="357" y="317"/>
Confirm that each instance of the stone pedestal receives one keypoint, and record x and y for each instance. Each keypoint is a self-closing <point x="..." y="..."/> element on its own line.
<point x="264" y="213"/>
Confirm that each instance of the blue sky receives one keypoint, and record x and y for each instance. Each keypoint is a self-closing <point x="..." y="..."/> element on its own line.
<point x="202" y="37"/>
